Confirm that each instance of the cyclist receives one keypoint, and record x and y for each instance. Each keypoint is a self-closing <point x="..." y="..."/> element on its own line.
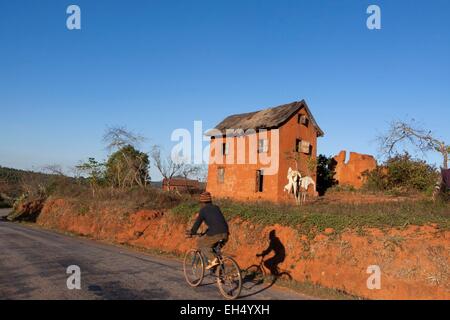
<point x="217" y="228"/>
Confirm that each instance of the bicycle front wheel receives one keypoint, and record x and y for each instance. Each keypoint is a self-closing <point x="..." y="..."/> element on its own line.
<point x="194" y="267"/>
<point x="229" y="278"/>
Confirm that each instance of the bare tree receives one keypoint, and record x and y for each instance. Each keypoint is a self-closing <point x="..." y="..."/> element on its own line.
<point x="119" y="138"/>
<point x="202" y="173"/>
<point x="54" y="169"/>
<point x="424" y="140"/>
<point x="167" y="166"/>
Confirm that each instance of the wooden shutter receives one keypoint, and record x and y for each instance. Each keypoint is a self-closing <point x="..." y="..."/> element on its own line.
<point x="305" y="147"/>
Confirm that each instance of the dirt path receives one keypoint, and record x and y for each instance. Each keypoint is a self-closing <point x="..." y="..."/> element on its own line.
<point x="33" y="265"/>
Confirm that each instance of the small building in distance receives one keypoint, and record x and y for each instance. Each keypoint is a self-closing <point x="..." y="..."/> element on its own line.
<point x="182" y="185"/>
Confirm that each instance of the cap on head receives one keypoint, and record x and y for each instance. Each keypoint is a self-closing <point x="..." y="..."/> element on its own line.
<point x="205" y="197"/>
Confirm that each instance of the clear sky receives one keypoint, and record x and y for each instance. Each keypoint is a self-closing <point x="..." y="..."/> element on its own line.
<point x="155" y="66"/>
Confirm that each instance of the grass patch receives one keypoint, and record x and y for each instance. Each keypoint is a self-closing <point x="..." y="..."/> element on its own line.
<point x="315" y="218"/>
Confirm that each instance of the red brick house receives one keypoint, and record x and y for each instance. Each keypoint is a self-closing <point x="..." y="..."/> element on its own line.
<point x="287" y="134"/>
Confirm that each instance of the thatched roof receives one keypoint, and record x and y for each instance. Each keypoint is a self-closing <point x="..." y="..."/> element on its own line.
<point x="270" y="118"/>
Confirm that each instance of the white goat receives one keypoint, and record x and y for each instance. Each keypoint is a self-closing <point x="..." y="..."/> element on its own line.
<point x="305" y="182"/>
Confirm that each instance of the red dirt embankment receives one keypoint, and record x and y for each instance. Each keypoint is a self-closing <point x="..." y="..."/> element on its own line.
<point x="414" y="261"/>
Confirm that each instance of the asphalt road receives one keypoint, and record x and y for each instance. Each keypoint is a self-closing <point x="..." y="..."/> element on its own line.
<point x="33" y="265"/>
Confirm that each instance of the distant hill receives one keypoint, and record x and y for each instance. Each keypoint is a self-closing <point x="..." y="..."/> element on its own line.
<point x="12" y="180"/>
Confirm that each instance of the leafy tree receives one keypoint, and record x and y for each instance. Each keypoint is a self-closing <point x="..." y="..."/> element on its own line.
<point x="325" y="173"/>
<point x="128" y="167"/>
<point x="95" y="172"/>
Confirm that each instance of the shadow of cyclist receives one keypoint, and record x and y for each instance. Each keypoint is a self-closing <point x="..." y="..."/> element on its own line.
<point x="255" y="275"/>
<point x="275" y="245"/>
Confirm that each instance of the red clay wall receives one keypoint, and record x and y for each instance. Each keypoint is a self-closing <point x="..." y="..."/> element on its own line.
<point x="240" y="179"/>
<point x="351" y="172"/>
<point x="414" y="260"/>
<point x="288" y="135"/>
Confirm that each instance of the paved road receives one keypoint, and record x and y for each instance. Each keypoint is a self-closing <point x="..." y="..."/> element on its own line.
<point x="33" y="265"/>
<point x="4" y="213"/>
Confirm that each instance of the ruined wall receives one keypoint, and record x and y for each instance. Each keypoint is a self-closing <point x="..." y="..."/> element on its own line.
<point x="414" y="260"/>
<point x="350" y="173"/>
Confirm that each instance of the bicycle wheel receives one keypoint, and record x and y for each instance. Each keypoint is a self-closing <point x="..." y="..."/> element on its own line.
<point x="194" y="267"/>
<point x="253" y="276"/>
<point x="229" y="278"/>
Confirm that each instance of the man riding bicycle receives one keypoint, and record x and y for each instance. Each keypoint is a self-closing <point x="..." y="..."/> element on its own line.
<point x="217" y="228"/>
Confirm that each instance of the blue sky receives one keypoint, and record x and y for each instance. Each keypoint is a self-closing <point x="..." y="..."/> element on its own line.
<point x="155" y="66"/>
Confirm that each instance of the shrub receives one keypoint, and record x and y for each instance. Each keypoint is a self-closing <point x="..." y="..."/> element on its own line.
<point x="325" y="173"/>
<point x="402" y="173"/>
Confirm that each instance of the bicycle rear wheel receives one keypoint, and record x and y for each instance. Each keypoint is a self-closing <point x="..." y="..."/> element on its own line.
<point x="194" y="267"/>
<point x="229" y="278"/>
<point x="253" y="276"/>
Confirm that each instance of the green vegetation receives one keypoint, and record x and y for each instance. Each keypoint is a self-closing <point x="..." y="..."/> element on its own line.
<point x="127" y="167"/>
<point x="317" y="217"/>
<point x="325" y="173"/>
<point x="402" y="174"/>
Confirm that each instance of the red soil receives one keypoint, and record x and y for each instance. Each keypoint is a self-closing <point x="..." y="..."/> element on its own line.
<point x="414" y="261"/>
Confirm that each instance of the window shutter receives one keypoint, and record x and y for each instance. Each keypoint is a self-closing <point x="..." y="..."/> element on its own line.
<point x="263" y="145"/>
<point x="258" y="180"/>
<point x="304" y="120"/>
<point x="305" y="147"/>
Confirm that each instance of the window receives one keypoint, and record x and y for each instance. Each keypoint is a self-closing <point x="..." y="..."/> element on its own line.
<point x="259" y="181"/>
<point x="303" y="119"/>
<point x="303" y="146"/>
<point x="298" y="145"/>
<point x="263" y="145"/>
<point x="221" y="175"/>
<point x="225" y="148"/>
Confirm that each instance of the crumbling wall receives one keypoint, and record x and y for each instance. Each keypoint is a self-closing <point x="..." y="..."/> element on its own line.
<point x="351" y="172"/>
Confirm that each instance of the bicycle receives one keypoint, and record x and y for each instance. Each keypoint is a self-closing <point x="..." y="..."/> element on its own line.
<point x="227" y="272"/>
<point x="258" y="273"/>
<point x="255" y="274"/>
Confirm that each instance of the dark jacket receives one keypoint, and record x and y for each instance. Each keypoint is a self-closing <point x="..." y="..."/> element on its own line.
<point x="214" y="219"/>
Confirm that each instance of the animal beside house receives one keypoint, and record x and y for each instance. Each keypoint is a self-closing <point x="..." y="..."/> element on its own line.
<point x="298" y="186"/>
<point x="245" y="143"/>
